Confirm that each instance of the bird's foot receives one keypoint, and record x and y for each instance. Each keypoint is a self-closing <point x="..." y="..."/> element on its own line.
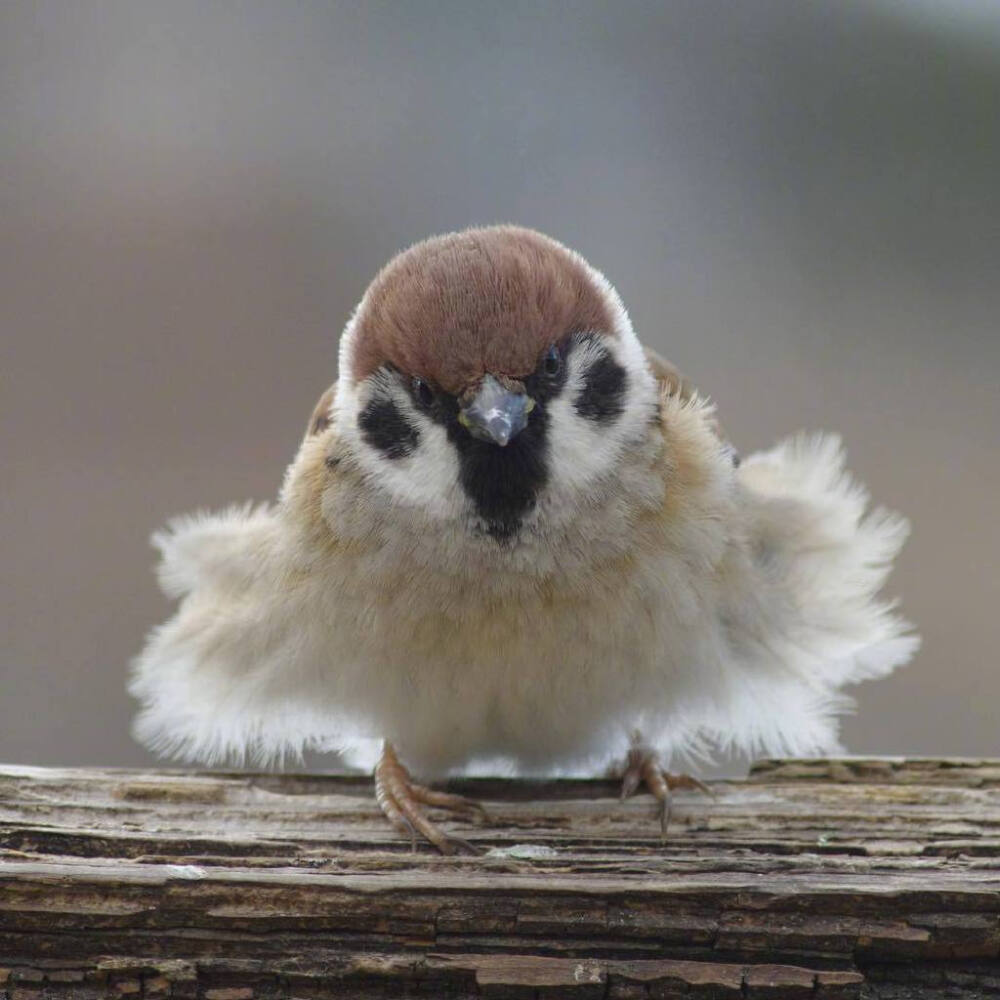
<point x="400" y="798"/>
<point x="642" y="767"/>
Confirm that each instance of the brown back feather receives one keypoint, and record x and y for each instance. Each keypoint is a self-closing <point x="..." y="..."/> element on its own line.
<point x="320" y="418"/>
<point x="675" y="384"/>
<point x="668" y="376"/>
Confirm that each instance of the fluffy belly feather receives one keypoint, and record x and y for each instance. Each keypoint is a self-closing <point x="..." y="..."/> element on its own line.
<point x="540" y="675"/>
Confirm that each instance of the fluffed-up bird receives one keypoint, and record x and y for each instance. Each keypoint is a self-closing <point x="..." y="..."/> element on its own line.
<point x="513" y="536"/>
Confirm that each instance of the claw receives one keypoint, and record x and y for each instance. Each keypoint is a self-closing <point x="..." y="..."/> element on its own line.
<point x="399" y="798"/>
<point x="642" y="766"/>
<point x="630" y="782"/>
<point x="665" y="811"/>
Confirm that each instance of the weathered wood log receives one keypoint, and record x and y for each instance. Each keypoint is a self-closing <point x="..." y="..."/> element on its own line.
<point x="826" y="878"/>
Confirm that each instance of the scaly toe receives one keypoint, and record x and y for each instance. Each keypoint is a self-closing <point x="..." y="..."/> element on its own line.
<point x="469" y="808"/>
<point x="642" y="767"/>
<point x="632" y="774"/>
<point x="400" y="798"/>
<point x="687" y="781"/>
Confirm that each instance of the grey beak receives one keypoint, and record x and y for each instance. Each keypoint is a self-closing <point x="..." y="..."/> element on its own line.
<point x="496" y="414"/>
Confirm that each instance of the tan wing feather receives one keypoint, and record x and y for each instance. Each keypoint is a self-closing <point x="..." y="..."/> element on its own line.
<point x="674" y="383"/>
<point x="321" y="417"/>
<point x="668" y="375"/>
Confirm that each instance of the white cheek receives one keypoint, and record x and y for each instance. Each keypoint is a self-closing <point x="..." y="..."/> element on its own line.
<point x="582" y="450"/>
<point x="427" y="478"/>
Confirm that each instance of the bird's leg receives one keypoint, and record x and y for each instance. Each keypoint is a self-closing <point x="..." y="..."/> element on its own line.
<point x="400" y="798"/>
<point x="642" y="766"/>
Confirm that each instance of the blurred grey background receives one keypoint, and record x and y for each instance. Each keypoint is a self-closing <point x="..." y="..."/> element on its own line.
<point x="800" y="204"/>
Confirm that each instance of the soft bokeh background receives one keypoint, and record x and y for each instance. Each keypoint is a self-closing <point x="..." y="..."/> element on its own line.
<point x="800" y="204"/>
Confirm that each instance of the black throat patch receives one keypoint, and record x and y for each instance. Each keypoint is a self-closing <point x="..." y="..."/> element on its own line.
<point x="503" y="483"/>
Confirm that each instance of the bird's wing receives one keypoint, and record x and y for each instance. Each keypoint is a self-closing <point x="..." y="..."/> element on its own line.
<point x="670" y="378"/>
<point x="241" y="669"/>
<point x="819" y="546"/>
<point x="322" y="413"/>
<point x="673" y="383"/>
<point x="798" y="614"/>
<point x="776" y="566"/>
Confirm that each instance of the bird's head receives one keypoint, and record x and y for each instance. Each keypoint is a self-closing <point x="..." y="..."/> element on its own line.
<point x="488" y="373"/>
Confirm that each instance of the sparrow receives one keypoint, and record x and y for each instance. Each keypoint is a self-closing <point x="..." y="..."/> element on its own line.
<point x="513" y="537"/>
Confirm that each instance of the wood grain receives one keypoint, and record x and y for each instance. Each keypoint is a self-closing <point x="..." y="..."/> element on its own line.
<point x="820" y="878"/>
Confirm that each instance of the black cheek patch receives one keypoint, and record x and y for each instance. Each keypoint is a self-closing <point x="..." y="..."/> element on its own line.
<point x="602" y="396"/>
<point x="384" y="427"/>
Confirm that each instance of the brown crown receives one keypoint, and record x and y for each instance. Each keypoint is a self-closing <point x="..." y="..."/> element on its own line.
<point x="454" y="307"/>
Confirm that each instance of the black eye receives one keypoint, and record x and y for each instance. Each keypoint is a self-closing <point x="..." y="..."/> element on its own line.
<point x="423" y="392"/>
<point x="552" y="361"/>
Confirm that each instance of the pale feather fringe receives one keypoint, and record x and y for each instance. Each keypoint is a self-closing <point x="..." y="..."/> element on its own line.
<point x="204" y="546"/>
<point x="840" y="558"/>
<point x="206" y="679"/>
